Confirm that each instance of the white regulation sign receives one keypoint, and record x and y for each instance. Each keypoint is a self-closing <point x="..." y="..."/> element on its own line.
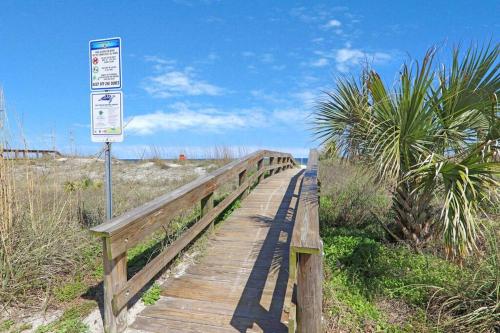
<point x="106" y="116"/>
<point x="105" y="64"/>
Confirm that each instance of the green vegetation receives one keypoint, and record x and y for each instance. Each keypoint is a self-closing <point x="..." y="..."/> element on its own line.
<point x="377" y="284"/>
<point x="432" y="137"/>
<point x="364" y="272"/>
<point x="420" y="175"/>
<point x="152" y="294"/>
<point x="70" y="321"/>
<point x="6" y="325"/>
<point x="231" y="208"/>
<point x="70" y="290"/>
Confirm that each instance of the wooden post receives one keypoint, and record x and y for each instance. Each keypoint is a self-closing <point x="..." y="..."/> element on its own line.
<point x="241" y="179"/>
<point x="259" y="167"/>
<point x="309" y="292"/>
<point x="16" y="154"/>
<point x="207" y="203"/>
<point x="115" y="277"/>
<point x="271" y="162"/>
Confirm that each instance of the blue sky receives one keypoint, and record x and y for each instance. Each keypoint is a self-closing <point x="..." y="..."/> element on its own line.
<point x="200" y="74"/>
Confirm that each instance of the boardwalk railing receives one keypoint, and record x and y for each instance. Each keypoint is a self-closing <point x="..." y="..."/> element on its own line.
<point x="123" y="232"/>
<point x="306" y="252"/>
<point x="28" y="153"/>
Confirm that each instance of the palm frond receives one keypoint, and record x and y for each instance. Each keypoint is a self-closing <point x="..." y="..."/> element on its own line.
<point x="464" y="184"/>
<point x="341" y="118"/>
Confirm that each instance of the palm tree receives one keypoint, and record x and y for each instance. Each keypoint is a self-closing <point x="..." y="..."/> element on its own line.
<point x="432" y="136"/>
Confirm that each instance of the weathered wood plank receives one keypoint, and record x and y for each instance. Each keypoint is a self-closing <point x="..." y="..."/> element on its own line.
<point x="306" y="254"/>
<point x="115" y="277"/>
<point x="306" y="230"/>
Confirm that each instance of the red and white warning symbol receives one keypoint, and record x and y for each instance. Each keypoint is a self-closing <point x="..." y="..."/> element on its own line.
<point x="95" y="60"/>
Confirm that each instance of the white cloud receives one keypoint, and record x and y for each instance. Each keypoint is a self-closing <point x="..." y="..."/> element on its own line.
<point x="267" y="58"/>
<point x="348" y="57"/>
<point x="292" y="115"/>
<point x="160" y="64"/>
<point x="332" y="24"/>
<point x="307" y="97"/>
<point x="321" y="62"/>
<point x="248" y="54"/>
<point x="279" y="67"/>
<point x="213" y="56"/>
<point x="173" y="83"/>
<point x="269" y="97"/>
<point x="183" y="116"/>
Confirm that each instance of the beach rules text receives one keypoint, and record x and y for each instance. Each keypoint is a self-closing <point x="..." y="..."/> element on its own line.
<point x="105" y="62"/>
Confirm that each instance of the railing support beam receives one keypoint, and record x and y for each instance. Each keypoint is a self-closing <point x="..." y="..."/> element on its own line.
<point x="242" y="177"/>
<point x="115" y="277"/>
<point x="271" y="162"/>
<point x="260" y="163"/>
<point x="207" y="204"/>
<point x="309" y="292"/>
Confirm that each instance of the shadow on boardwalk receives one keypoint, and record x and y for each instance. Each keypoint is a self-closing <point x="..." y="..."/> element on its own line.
<point x="272" y="260"/>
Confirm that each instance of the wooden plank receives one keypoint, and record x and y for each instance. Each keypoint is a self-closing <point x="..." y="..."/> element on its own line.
<point x="162" y="325"/>
<point x="244" y="320"/>
<point x="306" y="254"/>
<point x="306" y="230"/>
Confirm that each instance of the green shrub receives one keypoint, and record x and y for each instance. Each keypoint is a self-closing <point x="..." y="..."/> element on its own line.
<point x="70" y="291"/>
<point x="349" y="195"/>
<point x="377" y="269"/>
<point x="70" y="321"/>
<point x="6" y="325"/>
<point x="473" y="304"/>
<point x="152" y="294"/>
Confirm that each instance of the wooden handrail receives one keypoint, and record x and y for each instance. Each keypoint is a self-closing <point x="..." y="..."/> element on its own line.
<point x="25" y="152"/>
<point x="306" y="252"/>
<point x="123" y="232"/>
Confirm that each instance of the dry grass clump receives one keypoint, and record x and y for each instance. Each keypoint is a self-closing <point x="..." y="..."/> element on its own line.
<point x="473" y="305"/>
<point x="41" y="236"/>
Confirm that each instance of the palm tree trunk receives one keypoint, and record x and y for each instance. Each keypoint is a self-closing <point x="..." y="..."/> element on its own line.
<point x="413" y="213"/>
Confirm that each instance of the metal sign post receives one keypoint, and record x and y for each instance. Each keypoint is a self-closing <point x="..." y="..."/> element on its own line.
<point x="106" y="106"/>
<point x="109" y="192"/>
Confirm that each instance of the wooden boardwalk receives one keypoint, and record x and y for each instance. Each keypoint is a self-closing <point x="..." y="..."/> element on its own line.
<point x="242" y="283"/>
